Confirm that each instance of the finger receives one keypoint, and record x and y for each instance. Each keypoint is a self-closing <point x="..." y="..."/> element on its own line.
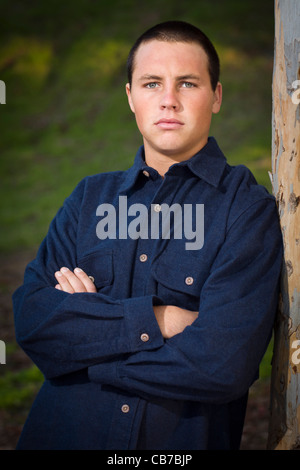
<point x="76" y="282"/>
<point x="69" y="282"/>
<point x="86" y="280"/>
<point x="63" y="282"/>
<point x="58" y="287"/>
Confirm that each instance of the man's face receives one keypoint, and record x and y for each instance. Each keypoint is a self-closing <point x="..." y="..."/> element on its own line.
<point x="172" y="98"/>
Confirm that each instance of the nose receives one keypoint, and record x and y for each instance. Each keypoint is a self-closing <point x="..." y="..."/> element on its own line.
<point x="170" y="99"/>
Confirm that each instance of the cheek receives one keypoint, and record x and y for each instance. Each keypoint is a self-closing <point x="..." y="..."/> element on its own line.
<point x="201" y="110"/>
<point x="142" y="114"/>
<point x="140" y="119"/>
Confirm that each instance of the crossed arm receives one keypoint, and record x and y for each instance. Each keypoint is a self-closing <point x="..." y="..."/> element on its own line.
<point x="213" y="359"/>
<point x="171" y="319"/>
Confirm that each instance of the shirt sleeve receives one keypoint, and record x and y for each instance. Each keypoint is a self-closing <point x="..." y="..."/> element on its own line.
<point x="63" y="333"/>
<point x="216" y="359"/>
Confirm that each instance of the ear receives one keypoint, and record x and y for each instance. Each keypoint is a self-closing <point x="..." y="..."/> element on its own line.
<point x="128" y="92"/>
<point x="217" y="98"/>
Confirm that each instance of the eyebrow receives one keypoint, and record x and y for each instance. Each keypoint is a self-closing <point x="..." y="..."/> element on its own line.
<point x="149" y="77"/>
<point x="179" y="78"/>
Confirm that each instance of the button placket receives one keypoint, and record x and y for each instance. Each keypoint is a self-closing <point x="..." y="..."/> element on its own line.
<point x="122" y="422"/>
<point x="144" y="337"/>
<point x="125" y="408"/>
<point x="157" y="207"/>
<point x="189" y="280"/>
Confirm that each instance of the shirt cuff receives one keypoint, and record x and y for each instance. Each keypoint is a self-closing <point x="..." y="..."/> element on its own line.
<point x="141" y="327"/>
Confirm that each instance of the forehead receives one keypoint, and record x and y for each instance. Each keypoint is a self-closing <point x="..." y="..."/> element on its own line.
<point x="156" y="56"/>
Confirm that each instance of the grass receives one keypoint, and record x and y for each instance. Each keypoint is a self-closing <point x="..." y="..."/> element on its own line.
<point x="18" y="388"/>
<point x="67" y="115"/>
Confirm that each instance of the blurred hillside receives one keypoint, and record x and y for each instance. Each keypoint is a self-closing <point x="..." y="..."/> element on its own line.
<point x="66" y="116"/>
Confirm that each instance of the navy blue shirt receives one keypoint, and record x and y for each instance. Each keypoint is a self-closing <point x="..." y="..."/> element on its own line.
<point x="111" y="380"/>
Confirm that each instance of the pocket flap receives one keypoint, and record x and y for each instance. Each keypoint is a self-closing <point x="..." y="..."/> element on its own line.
<point x="186" y="274"/>
<point x="99" y="266"/>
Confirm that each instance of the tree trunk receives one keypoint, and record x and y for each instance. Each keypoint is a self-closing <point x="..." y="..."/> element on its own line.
<point x="284" y="431"/>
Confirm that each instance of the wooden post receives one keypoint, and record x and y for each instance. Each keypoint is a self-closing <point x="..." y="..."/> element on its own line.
<point x="284" y="430"/>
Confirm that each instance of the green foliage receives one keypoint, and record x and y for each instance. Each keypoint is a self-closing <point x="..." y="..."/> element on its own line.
<point x="265" y="367"/>
<point x="18" y="388"/>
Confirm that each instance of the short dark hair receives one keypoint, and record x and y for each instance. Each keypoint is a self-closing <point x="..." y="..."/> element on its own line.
<point x="178" y="31"/>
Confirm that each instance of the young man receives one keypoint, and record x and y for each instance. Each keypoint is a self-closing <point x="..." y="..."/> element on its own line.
<point x="150" y="330"/>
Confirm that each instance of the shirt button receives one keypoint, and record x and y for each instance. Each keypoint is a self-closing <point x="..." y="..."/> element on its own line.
<point x="146" y="173"/>
<point x="157" y="208"/>
<point x="189" y="281"/>
<point x="143" y="258"/>
<point x="125" y="408"/>
<point x="145" y="337"/>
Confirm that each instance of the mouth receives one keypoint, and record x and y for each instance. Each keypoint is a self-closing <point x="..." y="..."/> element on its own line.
<point x="169" y="124"/>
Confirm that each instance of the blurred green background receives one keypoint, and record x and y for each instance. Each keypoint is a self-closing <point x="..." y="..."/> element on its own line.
<point x="66" y="113"/>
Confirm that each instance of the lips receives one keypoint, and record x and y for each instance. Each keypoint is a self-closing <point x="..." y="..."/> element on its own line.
<point x="169" y="124"/>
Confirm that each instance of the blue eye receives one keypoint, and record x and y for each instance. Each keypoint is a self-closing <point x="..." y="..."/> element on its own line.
<point x="188" y="85"/>
<point x="151" y="85"/>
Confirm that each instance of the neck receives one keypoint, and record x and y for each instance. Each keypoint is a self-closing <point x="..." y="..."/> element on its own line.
<point x="161" y="162"/>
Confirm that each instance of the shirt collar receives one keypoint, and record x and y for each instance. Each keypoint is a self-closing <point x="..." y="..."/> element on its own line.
<point x="208" y="164"/>
<point x="132" y="174"/>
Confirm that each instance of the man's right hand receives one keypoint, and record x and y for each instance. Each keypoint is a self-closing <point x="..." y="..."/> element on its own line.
<point x="72" y="282"/>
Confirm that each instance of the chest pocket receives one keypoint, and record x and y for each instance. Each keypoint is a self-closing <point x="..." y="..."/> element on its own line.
<point x="98" y="265"/>
<point x="180" y="280"/>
